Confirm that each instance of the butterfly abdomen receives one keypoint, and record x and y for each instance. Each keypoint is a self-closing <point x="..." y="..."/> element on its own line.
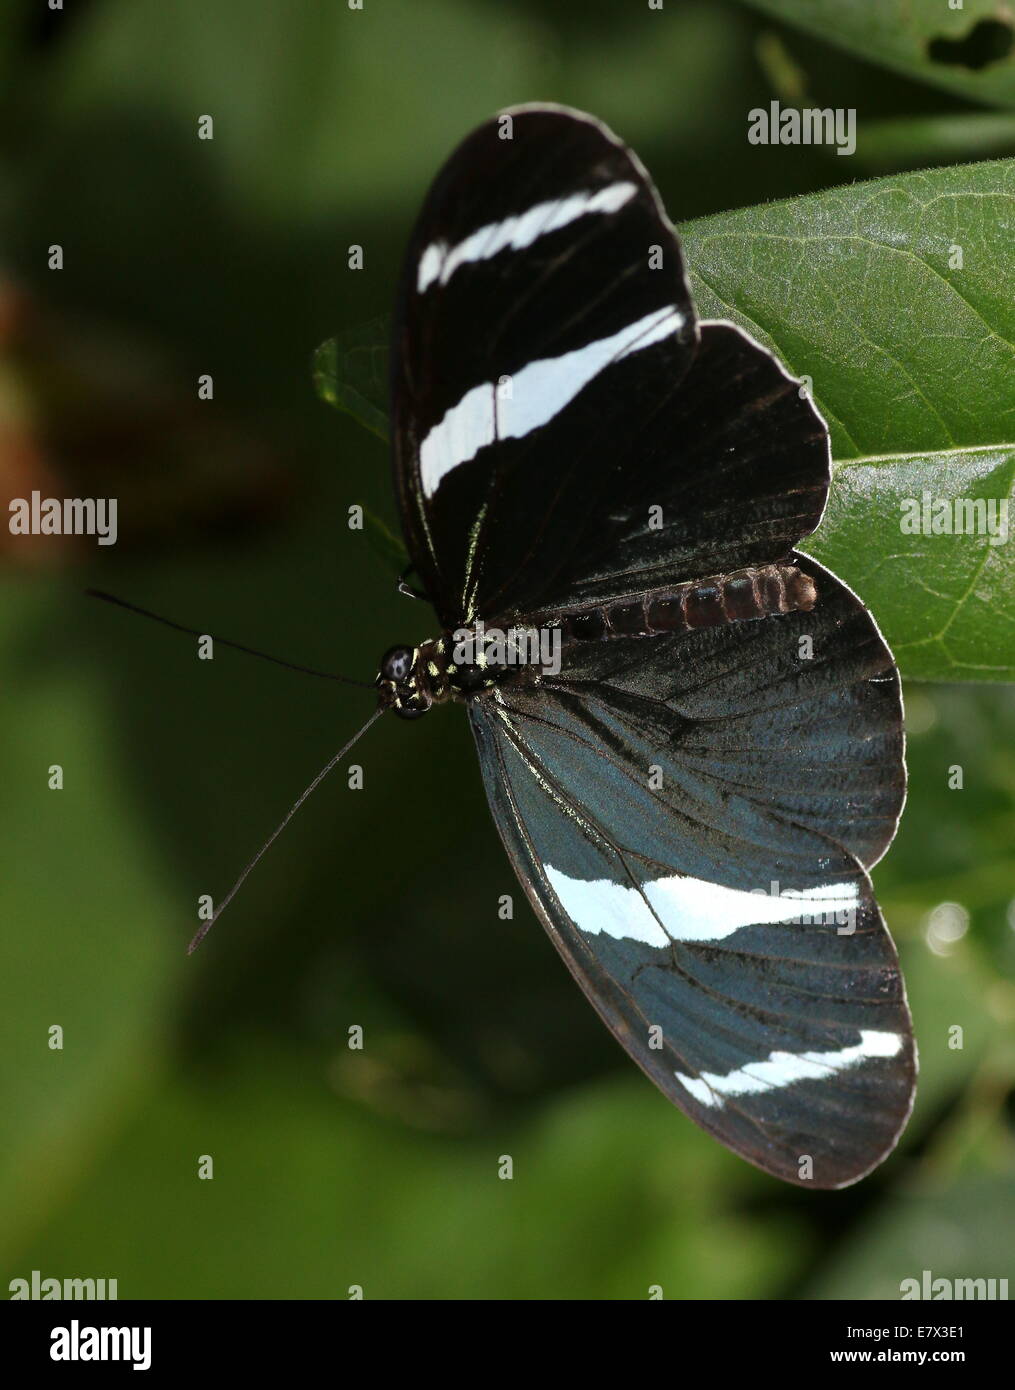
<point x="745" y="594"/>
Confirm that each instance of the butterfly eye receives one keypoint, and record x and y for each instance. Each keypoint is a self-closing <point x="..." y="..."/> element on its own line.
<point x="397" y="664"/>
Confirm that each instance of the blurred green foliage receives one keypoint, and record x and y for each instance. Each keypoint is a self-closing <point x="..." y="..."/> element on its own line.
<point x="968" y="47"/>
<point x="378" y="907"/>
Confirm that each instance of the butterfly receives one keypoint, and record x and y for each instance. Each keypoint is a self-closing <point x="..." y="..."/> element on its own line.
<point x="690" y="733"/>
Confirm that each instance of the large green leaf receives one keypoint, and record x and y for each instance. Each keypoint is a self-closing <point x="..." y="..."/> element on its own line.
<point x="969" y="50"/>
<point x="911" y="358"/>
<point x="913" y="366"/>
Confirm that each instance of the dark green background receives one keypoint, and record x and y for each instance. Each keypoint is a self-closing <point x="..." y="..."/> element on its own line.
<point x="377" y="1168"/>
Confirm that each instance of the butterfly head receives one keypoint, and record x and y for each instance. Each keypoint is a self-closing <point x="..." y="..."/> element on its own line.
<point x="402" y="683"/>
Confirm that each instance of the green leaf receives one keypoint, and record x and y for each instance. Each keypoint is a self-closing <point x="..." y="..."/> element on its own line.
<point x="351" y="373"/>
<point x="913" y="367"/>
<point x="969" y="51"/>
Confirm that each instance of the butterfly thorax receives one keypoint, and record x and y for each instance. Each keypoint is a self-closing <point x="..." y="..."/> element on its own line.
<point x="458" y="664"/>
<point x="471" y="661"/>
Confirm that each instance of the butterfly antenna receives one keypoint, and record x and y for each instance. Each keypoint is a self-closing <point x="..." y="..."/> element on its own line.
<point x="206" y="927"/>
<point x="224" y="641"/>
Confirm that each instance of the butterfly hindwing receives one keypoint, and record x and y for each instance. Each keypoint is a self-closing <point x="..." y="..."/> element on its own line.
<point x="691" y="817"/>
<point x="799" y="713"/>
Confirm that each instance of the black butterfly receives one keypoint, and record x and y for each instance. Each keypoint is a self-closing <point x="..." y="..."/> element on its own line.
<point x="692" y="800"/>
<point x="690" y="734"/>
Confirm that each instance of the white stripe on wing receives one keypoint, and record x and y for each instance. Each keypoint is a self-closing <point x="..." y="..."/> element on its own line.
<point x="538" y="392"/>
<point x="439" y="261"/>
<point x="784" y="1068"/>
<point x="681" y="908"/>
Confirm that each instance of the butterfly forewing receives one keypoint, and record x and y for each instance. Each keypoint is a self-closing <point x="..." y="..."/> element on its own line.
<point x="692" y="815"/>
<point x="532" y="335"/>
<point x="726" y="468"/>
